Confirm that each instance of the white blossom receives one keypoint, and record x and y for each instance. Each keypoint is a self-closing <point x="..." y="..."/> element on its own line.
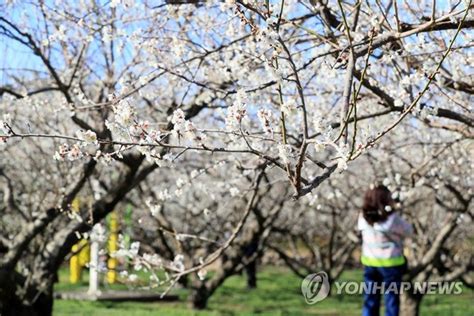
<point x="265" y="117"/>
<point x="234" y="191"/>
<point x="5" y="123"/>
<point x="202" y="274"/>
<point x="89" y="137"/>
<point x="178" y="263"/>
<point x="99" y="233"/>
<point x="134" y="247"/>
<point x="124" y="113"/>
<point x="284" y="152"/>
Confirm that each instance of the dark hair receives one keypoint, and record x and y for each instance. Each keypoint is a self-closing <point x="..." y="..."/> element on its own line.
<point x="375" y="201"/>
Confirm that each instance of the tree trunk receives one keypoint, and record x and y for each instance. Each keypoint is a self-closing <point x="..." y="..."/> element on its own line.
<point x="184" y="281"/>
<point x="251" y="270"/>
<point x="42" y="306"/>
<point x="31" y="303"/>
<point x="410" y="304"/>
<point x="199" y="297"/>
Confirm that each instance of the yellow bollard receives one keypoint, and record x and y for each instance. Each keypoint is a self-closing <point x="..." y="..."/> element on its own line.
<point x="112" y="247"/>
<point x="75" y="268"/>
<point x="85" y="253"/>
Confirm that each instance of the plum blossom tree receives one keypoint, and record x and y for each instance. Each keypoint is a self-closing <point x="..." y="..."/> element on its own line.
<point x="189" y="224"/>
<point x="436" y="195"/>
<point x="427" y="178"/>
<point x="322" y="235"/>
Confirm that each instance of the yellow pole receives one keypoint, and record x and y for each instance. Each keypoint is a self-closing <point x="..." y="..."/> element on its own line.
<point x="74" y="266"/>
<point x="85" y="253"/>
<point x="112" y="247"/>
<point x="75" y="269"/>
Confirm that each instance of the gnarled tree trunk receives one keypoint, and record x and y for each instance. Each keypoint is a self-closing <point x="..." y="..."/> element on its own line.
<point x="16" y="300"/>
<point x="410" y="304"/>
<point x="199" y="297"/>
<point x="251" y="271"/>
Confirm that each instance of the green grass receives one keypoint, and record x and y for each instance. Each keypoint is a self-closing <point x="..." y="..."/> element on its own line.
<point x="278" y="293"/>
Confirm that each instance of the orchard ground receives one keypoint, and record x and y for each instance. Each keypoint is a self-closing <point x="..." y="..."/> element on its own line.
<point x="278" y="293"/>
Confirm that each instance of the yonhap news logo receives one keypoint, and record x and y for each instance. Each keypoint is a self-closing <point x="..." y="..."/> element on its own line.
<point x="316" y="287"/>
